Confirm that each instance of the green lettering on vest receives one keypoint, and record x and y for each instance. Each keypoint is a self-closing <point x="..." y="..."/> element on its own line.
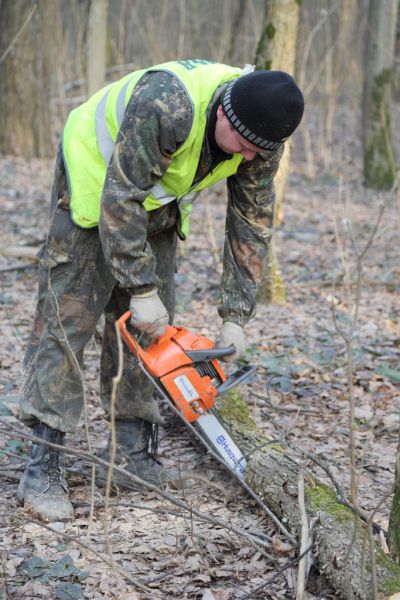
<point x="192" y="64"/>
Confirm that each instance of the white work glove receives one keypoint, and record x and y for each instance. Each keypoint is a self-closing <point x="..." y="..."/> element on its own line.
<point x="149" y="314"/>
<point x="232" y="334"/>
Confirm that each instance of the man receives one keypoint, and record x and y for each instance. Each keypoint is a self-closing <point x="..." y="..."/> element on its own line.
<point x="132" y="159"/>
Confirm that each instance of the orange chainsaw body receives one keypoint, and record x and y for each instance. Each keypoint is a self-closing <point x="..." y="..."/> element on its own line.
<point x="190" y="386"/>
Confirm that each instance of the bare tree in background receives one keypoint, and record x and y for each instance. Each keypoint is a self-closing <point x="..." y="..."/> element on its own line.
<point x="96" y="45"/>
<point x="28" y="54"/>
<point x="238" y="16"/>
<point x="379" y="162"/>
<point x="396" y="74"/>
<point x="277" y="50"/>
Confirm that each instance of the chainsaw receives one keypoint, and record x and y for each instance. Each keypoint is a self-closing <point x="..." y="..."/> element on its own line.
<point x="184" y="368"/>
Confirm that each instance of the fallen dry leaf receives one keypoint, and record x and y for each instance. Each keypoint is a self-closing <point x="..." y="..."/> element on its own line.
<point x="280" y="547"/>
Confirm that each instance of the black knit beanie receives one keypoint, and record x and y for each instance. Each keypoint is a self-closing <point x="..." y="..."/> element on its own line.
<point x="265" y="107"/>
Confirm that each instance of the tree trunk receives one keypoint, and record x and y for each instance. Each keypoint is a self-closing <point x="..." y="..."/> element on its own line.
<point x="379" y="163"/>
<point x="28" y="51"/>
<point x="236" y="29"/>
<point x="273" y="474"/>
<point x="276" y="50"/>
<point x="396" y="70"/>
<point x="272" y="288"/>
<point x="394" y="521"/>
<point x="96" y="45"/>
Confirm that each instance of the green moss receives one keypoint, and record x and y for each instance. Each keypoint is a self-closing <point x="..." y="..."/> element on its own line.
<point x="391" y="584"/>
<point x="378" y="170"/>
<point x="379" y="167"/>
<point x="261" y="60"/>
<point x="381" y="82"/>
<point x="394" y="522"/>
<point x="233" y="407"/>
<point x="270" y="30"/>
<point x="324" y="497"/>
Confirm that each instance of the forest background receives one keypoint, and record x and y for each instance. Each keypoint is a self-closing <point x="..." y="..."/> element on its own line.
<point x="327" y="344"/>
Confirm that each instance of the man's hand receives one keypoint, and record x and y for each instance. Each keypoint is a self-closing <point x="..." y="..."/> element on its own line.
<point x="232" y="334"/>
<point x="149" y="314"/>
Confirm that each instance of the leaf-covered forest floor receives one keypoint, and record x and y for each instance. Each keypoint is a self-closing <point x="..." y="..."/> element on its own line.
<point x="300" y="397"/>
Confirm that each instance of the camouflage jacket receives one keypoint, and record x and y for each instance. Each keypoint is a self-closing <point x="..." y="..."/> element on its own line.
<point x="156" y="122"/>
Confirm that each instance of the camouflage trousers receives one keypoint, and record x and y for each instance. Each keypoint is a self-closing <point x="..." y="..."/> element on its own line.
<point x="75" y="288"/>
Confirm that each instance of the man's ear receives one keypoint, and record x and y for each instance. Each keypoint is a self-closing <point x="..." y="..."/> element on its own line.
<point x="220" y="113"/>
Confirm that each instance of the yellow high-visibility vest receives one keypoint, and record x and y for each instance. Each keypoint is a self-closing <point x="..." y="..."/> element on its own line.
<point x="91" y="130"/>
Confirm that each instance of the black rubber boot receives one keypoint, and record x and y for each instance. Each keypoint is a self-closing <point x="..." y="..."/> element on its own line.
<point x="43" y="487"/>
<point x="133" y="453"/>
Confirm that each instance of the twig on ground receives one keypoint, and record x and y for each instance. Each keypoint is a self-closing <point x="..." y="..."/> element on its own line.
<point x="383" y="543"/>
<point x="115" y="381"/>
<point x="299" y="410"/>
<point x="368" y="533"/>
<point x="21" y="252"/>
<point x="18" y="267"/>
<point x="305" y="540"/>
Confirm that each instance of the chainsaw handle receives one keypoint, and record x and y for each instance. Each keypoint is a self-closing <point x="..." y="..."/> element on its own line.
<point x="210" y="354"/>
<point x="130" y="341"/>
<point x="128" y="337"/>
<point x="167" y="335"/>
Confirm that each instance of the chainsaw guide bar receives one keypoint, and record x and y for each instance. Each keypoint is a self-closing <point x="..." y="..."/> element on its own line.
<point x="185" y="369"/>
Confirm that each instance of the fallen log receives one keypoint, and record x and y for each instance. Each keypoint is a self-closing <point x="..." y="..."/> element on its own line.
<point x="273" y="474"/>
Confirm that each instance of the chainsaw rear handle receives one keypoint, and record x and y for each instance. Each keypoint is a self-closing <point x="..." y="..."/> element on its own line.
<point x="130" y="341"/>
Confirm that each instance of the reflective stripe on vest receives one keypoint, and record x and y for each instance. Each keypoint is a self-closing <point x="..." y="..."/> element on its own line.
<point x="121" y="103"/>
<point x="104" y="139"/>
<point x="160" y="196"/>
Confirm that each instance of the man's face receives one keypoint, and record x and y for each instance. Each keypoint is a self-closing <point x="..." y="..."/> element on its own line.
<point x="229" y="140"/>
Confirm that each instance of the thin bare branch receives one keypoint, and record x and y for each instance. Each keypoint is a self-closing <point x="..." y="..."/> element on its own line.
<point x="115" y="381"/>
<point x="18" y="34"/>
<point x="305" y="540"/>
